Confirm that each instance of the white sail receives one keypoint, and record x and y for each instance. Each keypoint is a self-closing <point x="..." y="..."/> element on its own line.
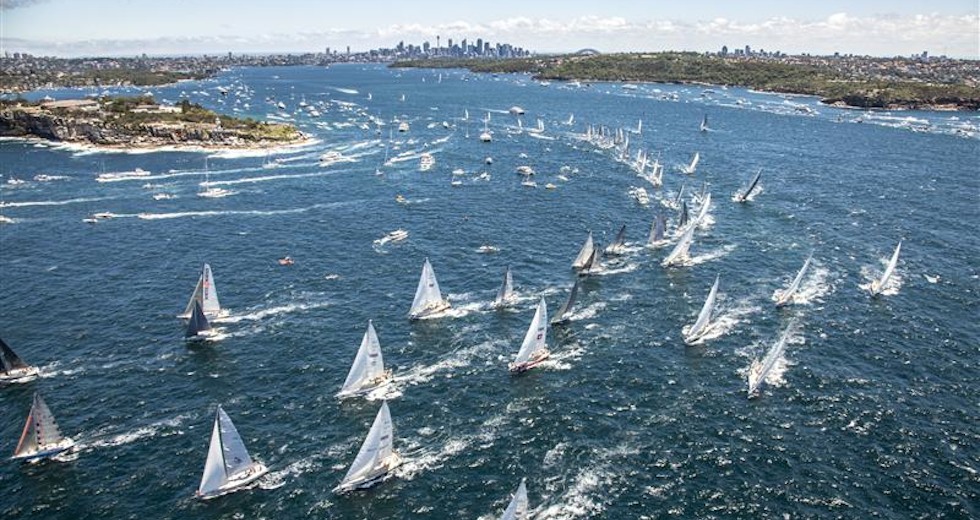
<point x="703" y="210"/>
<point x="375" y="457"/>
<point x="704" y="317"/>
<point x="206" y="294"/>
<point x="878" y="285"/>
<point x="704" y="123"/>
<point x="368" y="367"/>
<point x="506" y="291"/>
<point x="517" y="509"/>
<point x="694" y="163"/>
<point x="760" y="370"/>
<point x="228" y="459"/>
<point x="428" y="298"/>
<point x="41" y="435"/>
<point x="786" y="295"/>
<point x="537" y="334"/>
<point x="584" y="254"/>
<point x="679" y="254"/>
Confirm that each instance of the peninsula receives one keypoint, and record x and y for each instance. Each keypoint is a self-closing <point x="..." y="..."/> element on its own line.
<point x="860" y="82"/>
<point x="128" y="122"/>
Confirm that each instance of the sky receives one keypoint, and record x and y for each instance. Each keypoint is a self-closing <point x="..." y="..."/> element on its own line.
<point x="70" y="28"/>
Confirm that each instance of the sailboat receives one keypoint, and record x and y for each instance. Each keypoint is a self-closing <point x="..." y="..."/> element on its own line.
<point x="198" y="327"/>
<point x="12" y="367"/>
<point x="506" y="293"/>
<point x="565" y="311"/>
<point x="517" y="509"/>
<point x="534" y="349"/>
<point x="570" y="120"/>
<point x="41" y="437"/>
<point x="679" y="254"/>
<point x="658" y="231"/>
<point x="618" y="245"/>
<point x="428" y="299"/>
<point x="689" y="169"/>
<point x="785" y="296"/>
<point x="703" y="323"/>
<point x="228" y="467"/>
<point x="206" y="295"/>
<point x="703" y="209"/>
<point x="704" y="123"/>
<point x="684" y="217"/>
<point x="879" y="285"/>
<point x="376" y="459"/>
<point x="368" y="372"/>
<point x="760" y="370"/>
<point x="486" y="136"/>
<point x="744" y="196"/>
<point x="594" y="265"/>
<point x="209" y="191"/>
<point x="582" y="259"/>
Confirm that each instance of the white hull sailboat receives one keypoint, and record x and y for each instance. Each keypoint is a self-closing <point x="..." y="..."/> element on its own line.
<point x="506" y="294"/>
<point x="367" y="373"/>
<point x="428" y="299"/>
<point x="206" y="295"/>
<point x="689" y="169"/>
<point x="584" y="254"/>
<point x="517" y="508"/>
<point x="12" y="368"/>
<point x="534" y="349"/>
<point x="760" y="370"/>
<point x="703" y="324"/>
<point x="786" y="296"/>
<point x="376" y="459"/>
<point x="228" y="467"/>
<point x="880" y="284"/>
<point x="704" y="124"/>
<point x="679" y="255"/>
<point x="41" y="437"/>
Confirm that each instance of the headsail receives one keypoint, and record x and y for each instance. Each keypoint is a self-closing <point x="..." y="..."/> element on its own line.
<point x="787" y="295"/>
<point x="427" y="295"/>
<point x="581" y="260"/>
<point x="373" y="457"/>
<point x="704" y="317"/>
<point x="198" y="322"/>
<point x="205" y="293"/>
<point x="562" y="315"/>
<point x="759" y="371"/>
<point x="517" y="509"/>
<point x="537" y="334"/>
<point x="679" y="253"/>
<point x="879" y="285"/>
<point x="705" y="205"/>
<point x="506" y="291"/>
<point x="368" y="364"/>
<point x="9" y="360"/>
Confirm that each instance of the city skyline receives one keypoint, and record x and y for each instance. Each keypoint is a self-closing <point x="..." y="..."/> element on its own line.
<point x="113" y="28"/>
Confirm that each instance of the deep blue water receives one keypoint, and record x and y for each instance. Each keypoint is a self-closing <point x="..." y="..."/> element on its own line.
<point x="872" y="413"/>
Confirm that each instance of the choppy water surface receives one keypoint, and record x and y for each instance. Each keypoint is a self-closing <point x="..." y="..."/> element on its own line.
<point x="872" y="409"/>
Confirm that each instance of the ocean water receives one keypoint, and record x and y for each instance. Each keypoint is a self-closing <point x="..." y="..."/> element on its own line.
<point x="871" y="411"/>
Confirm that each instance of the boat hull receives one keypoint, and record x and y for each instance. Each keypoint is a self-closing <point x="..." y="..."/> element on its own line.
<point x="46" y="452"/>
<point x="255" y="472"/>
<point x="430" y="311"/>
<point x="384" y="473"/>
<point x="387" y="378"/>
<point x="20" y="375"/>
<point x="520" y="368"/>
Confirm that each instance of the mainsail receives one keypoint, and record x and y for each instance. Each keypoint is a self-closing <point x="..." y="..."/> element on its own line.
<point x="206" y="294"/>
<point x="658" y="229"/>
<point x="375" y="456"/>
<point x="787" y="295"/>
<point x="679" y="253"/>
<point x="506" y="291"/>
<point x="227" y="456"/>
<point x="703" y="210"/>
<point x="745" y="195"/>
<point x="9" y="360"/>
<point x="40" y="431"/>
<point x="619" y="243"/>
<point x="704" y="317"/>
<point x="517" y="509"/>
<point x="582" y="259"/>
<point x="689" y="169"/>
<point x="759" y="371"/>
<point x="563" y="313"/>
<point x="684" y="217"/>
<point x="428" y="298"/>
<point x="197" y="323"/>
<point x="879" y="285"/>
<point x="537" y="334"/>
<point x="594" y="264"/>
<point x="704" y="123"/>
<point x="368" y="364"/>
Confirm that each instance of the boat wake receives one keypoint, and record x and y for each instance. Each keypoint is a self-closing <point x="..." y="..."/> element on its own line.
<point x="562" y="357"/>
<point x="418" y="458"/>
<point x="726" y="321"/>
<point x="585" y="496"/>
<point x="52" y="202"/>
<point x="710" y="255"/>
<point x="456" y="359"/>
<point x="871" y="275"/>
<point x="216" y="213"/>
<point x="260" y="314"/>
<point x="102" y="440"/>
<point x="813" y="289"/>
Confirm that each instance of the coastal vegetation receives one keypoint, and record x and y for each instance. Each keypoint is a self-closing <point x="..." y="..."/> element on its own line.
<point x="878" y="84"/>
<point x="138" y="122"/>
